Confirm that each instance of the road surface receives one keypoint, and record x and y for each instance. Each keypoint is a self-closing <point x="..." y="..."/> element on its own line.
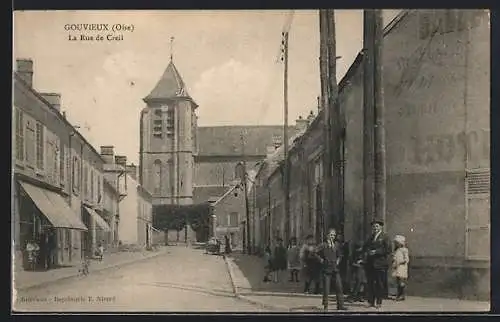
<point x="185" y="280"/>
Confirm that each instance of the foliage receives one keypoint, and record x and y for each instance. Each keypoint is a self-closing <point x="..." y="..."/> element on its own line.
<point x="174" y="217"/>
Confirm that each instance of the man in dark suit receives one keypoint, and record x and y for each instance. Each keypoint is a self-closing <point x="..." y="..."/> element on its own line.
<point x="330" y="254"/>
<point x="377" y="249"/>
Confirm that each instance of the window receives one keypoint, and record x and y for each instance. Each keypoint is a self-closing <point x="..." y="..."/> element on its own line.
<point x="76" y="174"/>
<point x="57" y="156"/>
<point x="318" y="172"/>
<point x="92" y="196"/>
<point x="99" y="196"/>
<point x="30" y="143"/>
<point x="19" y="135"/>
<point x="239" y="171"/>
<point x="85" y="183"/>
<point x="169" y="178"/>
<point x="157" y="176"/>
<point x="158" y="124"/>
<point x="233" y="219"/>
<point x="39" y="146"/>
<point x="62" y="164"/>
<point x="170" y="121"/>
<point x="157" y="127"/>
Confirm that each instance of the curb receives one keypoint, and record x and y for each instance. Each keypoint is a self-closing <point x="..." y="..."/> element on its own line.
<point x="72" y="276"/>
<point x="231" y="275"/>
<point x="272" y="307"/>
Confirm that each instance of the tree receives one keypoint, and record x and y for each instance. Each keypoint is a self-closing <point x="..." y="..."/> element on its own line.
<point x="170" y="217"/>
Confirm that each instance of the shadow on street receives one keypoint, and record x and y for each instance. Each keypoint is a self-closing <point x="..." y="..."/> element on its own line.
<point x="252" y="267"/>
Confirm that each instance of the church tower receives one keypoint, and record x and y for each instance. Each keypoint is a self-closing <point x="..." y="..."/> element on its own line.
<point x="168" y="140"/>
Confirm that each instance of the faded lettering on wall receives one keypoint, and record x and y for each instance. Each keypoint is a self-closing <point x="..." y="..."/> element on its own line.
<point x="432" y="149"/>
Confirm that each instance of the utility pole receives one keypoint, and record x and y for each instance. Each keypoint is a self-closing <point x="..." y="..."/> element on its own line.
<point x="368" y="121"/>
<point x="374" y="164"/>
<point x="286" y="176"/>
<point x="245" y="191"/>
<point x="325" y="106"/>
<point x="380" y="150"/>
<point x="335" y="163"/>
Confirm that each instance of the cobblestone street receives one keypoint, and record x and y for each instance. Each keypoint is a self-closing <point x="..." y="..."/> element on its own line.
<point x="183" y="280"/>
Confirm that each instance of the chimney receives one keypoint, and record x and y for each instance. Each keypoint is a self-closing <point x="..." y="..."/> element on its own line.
<point x="64" y="114"/>
<point x="310" y="117"/>
<point x="319" y="103"/>
<point x="54" y="100"/>
<point x="108" y="154"/>
<point x="25" y="70"/>
<point x="301" y="124"/>
<point x="277" y="141"/>
<point x="121" y="160"/>
<point x="132" y="170"/>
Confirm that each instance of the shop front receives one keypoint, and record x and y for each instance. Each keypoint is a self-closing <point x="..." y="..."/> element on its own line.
<point x="100" y="231"/>
<point x="48" y="224"/>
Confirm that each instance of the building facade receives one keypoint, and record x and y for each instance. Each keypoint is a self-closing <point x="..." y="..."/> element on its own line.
<point x="135" y="227"/>
<point x="58" y="176"/>
<point x="437" y="152"/>
<point x="110" y="212"/>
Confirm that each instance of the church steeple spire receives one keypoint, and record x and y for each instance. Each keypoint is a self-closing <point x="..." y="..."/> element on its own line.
<point x="172" y="49"/>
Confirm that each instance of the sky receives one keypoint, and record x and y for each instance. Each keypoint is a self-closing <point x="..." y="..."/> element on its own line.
<point x="227" y="59"/>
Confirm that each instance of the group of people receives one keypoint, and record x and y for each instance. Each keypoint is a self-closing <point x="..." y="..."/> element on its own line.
<point x="41" y="251"/>
<point x="325" y="266"/>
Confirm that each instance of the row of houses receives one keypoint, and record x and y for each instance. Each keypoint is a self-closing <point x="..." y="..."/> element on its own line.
<point x="436" y="86"/>
<point x="60" y="182"/>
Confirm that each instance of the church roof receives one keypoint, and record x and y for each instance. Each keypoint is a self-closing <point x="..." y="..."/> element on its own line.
<point x="226" y="140"/>
<point x="202" y="194"/>
<point x="169" y="86"/>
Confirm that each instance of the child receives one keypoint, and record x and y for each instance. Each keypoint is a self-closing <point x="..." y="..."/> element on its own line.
<point x="400" y="261"/>
<point x="100" y="251"/>
<point x="279" y="260"/>
<point x="268" y="263"/>
<point x="293" y="258"/>
<point x="312" y="268"/>
<point x="358" y="273"/>
<point x="33" y="250"/>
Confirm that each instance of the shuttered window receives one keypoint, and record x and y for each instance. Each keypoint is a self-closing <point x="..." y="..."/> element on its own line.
<point x="62" y="164"/>
<point x="40" y="146"/>
<point x="30" y="144"/>
<point x="19" y="135"/>
<point x="92" y="196"/>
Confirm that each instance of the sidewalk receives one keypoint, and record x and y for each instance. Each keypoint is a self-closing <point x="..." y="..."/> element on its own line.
<point x="247" y="273"/>
<point x="25" y="279"/>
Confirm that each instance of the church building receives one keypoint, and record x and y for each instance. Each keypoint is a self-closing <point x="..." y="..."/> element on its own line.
<point x="183" y="164"/>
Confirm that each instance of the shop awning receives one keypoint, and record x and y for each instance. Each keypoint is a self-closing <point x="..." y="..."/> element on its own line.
<point x="98" y="219"/>
<point x="53" y="206"/>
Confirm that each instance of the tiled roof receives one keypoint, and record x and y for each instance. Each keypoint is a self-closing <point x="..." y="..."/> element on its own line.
<point x="170" y="85"/>
<point x="275" y="159"/>
<point x="226" y="140"/>
<point x="202" y="194"/>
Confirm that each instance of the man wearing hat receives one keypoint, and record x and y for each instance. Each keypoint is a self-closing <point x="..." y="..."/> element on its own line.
<point x="377" y="249"/>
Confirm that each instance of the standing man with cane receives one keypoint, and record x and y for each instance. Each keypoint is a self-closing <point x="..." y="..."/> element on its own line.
<point x="330" y="254"/>
<point x="378" y="249"/>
